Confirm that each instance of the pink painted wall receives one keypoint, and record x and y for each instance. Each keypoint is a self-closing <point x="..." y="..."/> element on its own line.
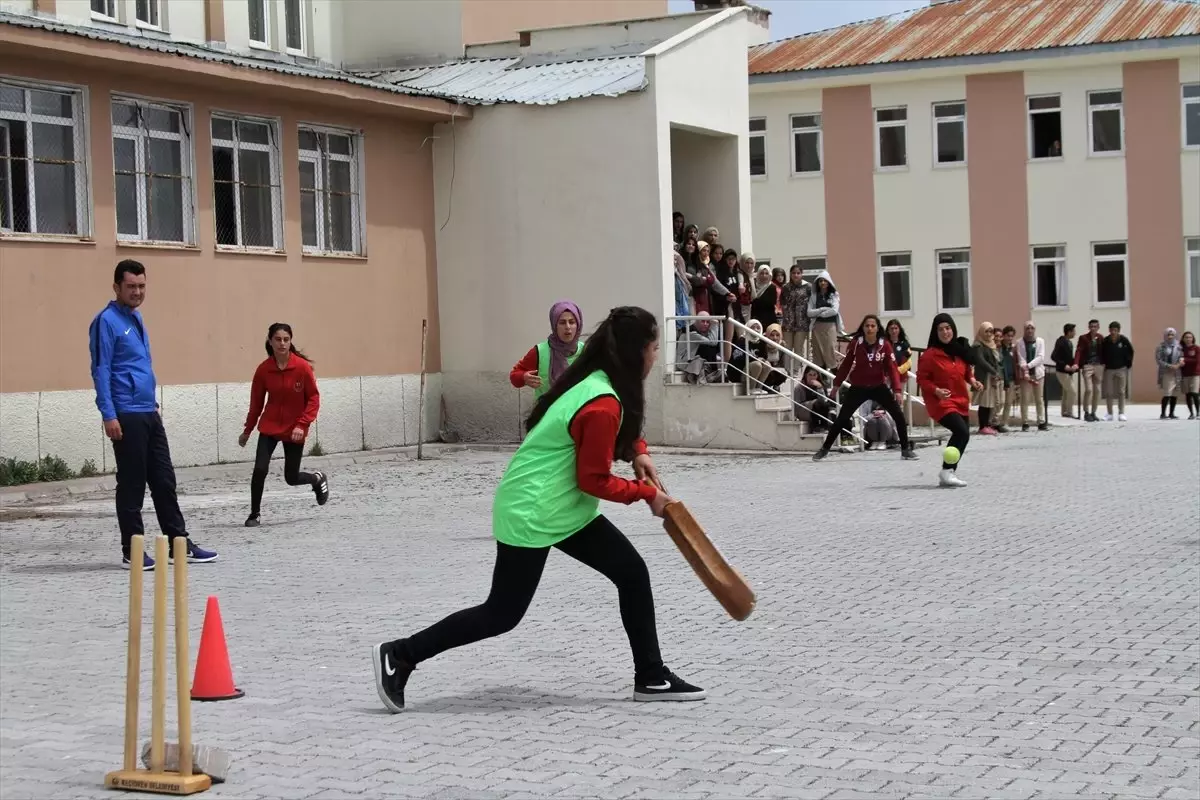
<point x="1154" y="187"/>
<point x="847" y="128"/>
<point x="998" y="194"/>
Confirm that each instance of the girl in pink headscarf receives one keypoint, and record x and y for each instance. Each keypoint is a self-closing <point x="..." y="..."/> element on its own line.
<point x="547" y="360"/>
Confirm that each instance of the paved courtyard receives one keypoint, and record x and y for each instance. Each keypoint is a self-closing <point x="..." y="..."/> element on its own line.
<point x="1036" y="634"/>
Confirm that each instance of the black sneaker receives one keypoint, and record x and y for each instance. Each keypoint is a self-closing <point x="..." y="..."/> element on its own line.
<point x="671" y="688"/>
<point x="1043" y="426"/>
<point x="1025" y="428"/>
<point x="1001" y="429"/>
<point x="252" y="521"/>
<point x="391" y="675"/>
<point x="321" y="488"/>
<point x="908" y="453"/>
<point x="820" y="454"/>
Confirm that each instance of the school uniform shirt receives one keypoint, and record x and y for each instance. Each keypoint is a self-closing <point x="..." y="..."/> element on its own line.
<point x="290" y="397"/>
<point x="1116" y="354"/>
<point x="937" y="369"/>
<point x="1191" y="361"/>
<point x="1087" y="351"/>
<point x="869" y="365"/>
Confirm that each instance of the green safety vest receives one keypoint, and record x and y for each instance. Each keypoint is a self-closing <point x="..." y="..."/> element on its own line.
<point x="538" y="502"/>
<point x="543" y="349"/>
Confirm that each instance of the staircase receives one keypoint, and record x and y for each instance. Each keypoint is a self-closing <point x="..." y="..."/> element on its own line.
<point x="722" y="416"/>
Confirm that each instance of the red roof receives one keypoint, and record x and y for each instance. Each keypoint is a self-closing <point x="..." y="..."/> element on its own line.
<point x="978" y="27"/>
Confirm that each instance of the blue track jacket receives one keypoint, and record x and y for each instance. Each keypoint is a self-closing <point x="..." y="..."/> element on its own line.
<point x="121" y="368"/>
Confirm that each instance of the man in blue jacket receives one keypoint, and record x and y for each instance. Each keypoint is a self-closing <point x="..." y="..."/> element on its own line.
<point x="126" y="396"/>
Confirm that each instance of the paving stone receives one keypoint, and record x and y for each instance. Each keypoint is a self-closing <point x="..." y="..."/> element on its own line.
<point x="1033" y="635"/>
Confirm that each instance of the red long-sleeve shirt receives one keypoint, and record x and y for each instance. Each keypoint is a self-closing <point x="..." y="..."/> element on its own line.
<point x="529" y="363"/>
<point x="290" y="396"/>
<point x="1191" y="361"/>
<point x="594" y="430"/>
<point x="868" y="365"/>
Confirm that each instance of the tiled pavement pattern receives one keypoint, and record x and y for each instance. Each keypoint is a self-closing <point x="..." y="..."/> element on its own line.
<point x="1034" y="637"/>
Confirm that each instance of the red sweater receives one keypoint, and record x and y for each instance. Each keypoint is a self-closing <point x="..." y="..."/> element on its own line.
<point x="1191" y="362"/>
<point x="290" y="395"/>
<point x="594" y="430"/>
<point x="529" y="363"/>
<point x="869" y="365"/>
<point x="938" y="370"/>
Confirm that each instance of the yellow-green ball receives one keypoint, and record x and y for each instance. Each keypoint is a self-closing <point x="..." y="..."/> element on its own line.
<point x="951" y="455"/>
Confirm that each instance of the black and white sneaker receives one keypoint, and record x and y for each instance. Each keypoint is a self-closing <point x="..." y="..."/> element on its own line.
<point x="671" y="688"/>
<point x="391" y="675"/>
<point x="321" y="488"/>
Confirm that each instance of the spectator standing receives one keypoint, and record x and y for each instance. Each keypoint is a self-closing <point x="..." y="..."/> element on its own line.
<point x="1190" y="373"/>
<point x="711" y="235"/>
<point x="1063" y="356"/>
<point x="986" y="357"/>
<point x="1031" y="364"/>
<point x="870" y="369"/>
<point x="1117" y="353"/>
<point x="901" y="347"/>
<point x="703" y="278"/>
<point x="766" y="297"/>
<point x="945" y="378"/>
<point x="683" y="293"/>
<point x="1008" y="370"/>
<point x="748" y="262"/>
<point x="691" y="232"/>
<point x="795" y="316"/>
<point x="1089" y="361"/>
<point x="727" y="296"/>
<point x="284" y="402"/>
<point x="677" y="227"/>
<point x="1169" y="357"/>
<point x="547" y="361"/>
<point x="824" y="311"/>
<point x="126" y="395"/>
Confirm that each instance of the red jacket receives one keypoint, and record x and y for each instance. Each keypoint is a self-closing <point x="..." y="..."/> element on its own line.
<point x="594" y="429"/>
<point x="290" y="395"/>
<point x="938" y="370"/>
<point x="1081" y="348"/>
<point x="1191" y="362"/>
<point x="869" y="366"/>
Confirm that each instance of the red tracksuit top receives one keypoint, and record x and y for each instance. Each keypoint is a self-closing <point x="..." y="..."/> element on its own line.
<point x="869" y="366"/>
<point x="290" y="395"/>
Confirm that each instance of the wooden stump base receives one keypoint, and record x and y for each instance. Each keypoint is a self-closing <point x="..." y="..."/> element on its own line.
<point x="141" y="780"/>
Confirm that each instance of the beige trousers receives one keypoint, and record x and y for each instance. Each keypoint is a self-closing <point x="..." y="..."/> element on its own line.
<point x="1093" y="387"/>
<point x="1032" y="392"/>
<point x="1067" y="381"/>
<point x="823" y="339"/>
<point x="797" y="342"/>
<point x="1115" y="381"/>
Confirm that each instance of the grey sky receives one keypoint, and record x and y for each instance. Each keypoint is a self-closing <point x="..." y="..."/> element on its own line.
<point x="793" y="17"/>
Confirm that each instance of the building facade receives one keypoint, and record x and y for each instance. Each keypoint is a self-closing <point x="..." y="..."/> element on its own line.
<point x="999" y="160"/>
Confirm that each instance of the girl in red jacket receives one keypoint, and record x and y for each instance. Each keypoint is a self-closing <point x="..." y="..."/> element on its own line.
<point x="945" y="378"/>
<point x="870" y="367"/>
<point x="286" y="384"/>
<point x="1190" y="374"/>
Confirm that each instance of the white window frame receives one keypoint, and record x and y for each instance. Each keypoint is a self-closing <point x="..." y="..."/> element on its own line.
<point x="810" y="273"/>
<point x="956" y="265"/>
<point x="1060" y="264"/>
<point x="302" y="10"/>
<point x="275" y="150"/>
<point x="83" y="194"/>
<point x="140" y="137"/>
<point x="110" y="12"/>
<point x="1091" y="117"/>
<point x="1193" y="100"/>
<point x="1031" y="113"/>
<point x="937" y="131"/>
<point x="321" y="174"/>
<point x="753" y="134"/>
<point x="262" y="6"/>
<point x="1095" y="282"/>
<point x="154" y="11"/>
<point x="1191" y="249"/>
<point x="892" y="312"/>
<point x="879" y="126"/>
<point x="807" y="130"/>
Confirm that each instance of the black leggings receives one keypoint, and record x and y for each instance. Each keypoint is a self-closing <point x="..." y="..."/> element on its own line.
<point x="292" y="452"/>
<point x="515" y="578"/>
<point x="855" y="397"/>
<point x="960" y="434"/>
<point x="1193" y="399"/>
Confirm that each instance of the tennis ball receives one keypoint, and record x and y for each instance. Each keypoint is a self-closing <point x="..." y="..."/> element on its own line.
<point x="951" y="455"/>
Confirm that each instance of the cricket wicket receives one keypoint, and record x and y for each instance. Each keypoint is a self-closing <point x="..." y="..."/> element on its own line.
<point x="157" y="779"/>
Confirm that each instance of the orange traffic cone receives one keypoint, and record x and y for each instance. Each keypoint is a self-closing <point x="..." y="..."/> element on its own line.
<point x="214" y="675"/>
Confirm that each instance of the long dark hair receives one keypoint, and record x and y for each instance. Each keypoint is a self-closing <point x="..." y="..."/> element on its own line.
<point x="958" y="346"/>
<point x="903" y="335"/>
<point x="275" y="328"/>
<point x="617" y="347"/>
<point x="880" y="332"/>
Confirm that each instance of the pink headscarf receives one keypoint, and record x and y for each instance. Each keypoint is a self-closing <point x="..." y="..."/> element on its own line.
<point x="560" y="350"/>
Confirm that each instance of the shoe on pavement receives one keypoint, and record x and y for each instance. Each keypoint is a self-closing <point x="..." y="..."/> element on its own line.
<point x="947" y="478"/>
<point x="1122" y="418"/>
<point x="1025" y="427"/>
<point x="1043" y="426"/>
<point x="669" y="688"/>
<point x="820" y="454"/>
<point x="1108" y="417"/>
<point x="195" y="554"/>
<point x="988" y="431"/>
<point x="908" y="453"/>
<point x="147" y="562"/>
<point x="252" y="521"/>
<point x="321" y="488"/>
<point x="391" y="675"/>
<point x="1001" y="429"/>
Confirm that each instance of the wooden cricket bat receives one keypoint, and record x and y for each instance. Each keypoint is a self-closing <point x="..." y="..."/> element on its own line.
<point x="722" y="579"/>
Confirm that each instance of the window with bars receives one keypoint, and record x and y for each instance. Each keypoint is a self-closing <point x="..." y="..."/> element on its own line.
<point x="152" y="161"/>
<point x="246" y="190"/>
<point x="330" y="203"/>
<point x="43" y="175"/>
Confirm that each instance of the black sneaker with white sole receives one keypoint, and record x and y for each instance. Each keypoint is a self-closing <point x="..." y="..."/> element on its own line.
<point x="391" y="675"/>
<point x="669" y="688"/>
<point x="321" y="488"/>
